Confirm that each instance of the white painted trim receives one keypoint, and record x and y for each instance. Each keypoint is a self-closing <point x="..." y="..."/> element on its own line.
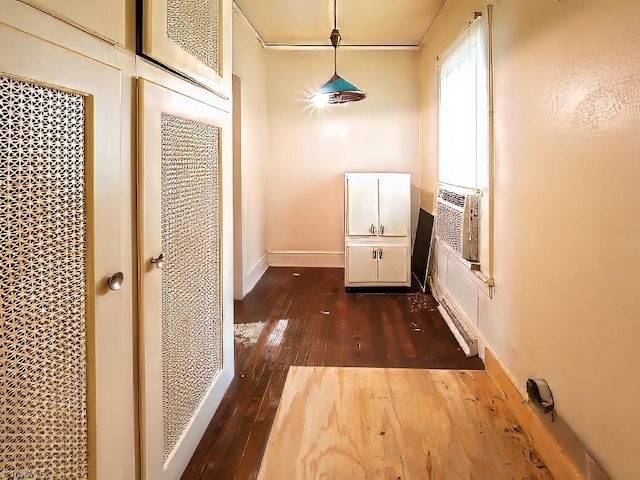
<point x="52" y="12"/>
<point x="254" y="275"/>
<point x="37" y="23"/>
<point x="181" y="454"/>
<point x="442" y="291"/>
<point x="456" y="333"/>
<point x="305" y="46"/>
<point x="305" y="258"/>
<point x="302" y="46"/>
<point x="484" y="345"/>
<point x="243" y="17"/>
<point x="433" y="20"/>
<point x="482" y="282"/>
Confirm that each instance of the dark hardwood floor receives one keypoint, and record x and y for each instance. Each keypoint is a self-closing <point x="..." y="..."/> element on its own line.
<point x="303" y="316"/>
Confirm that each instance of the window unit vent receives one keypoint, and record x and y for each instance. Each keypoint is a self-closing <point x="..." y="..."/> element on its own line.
<point x="457" y="221"/>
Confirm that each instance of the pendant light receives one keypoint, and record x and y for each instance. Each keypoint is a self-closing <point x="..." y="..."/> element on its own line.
<point x="337" y="89"/>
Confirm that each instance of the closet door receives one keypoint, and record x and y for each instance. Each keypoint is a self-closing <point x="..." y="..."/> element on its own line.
<point x="186" y="321"/>
<point x="66" y="398"/>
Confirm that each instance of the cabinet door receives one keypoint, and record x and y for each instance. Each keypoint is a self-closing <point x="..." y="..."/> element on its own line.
<point x="362" y="264"/>
<point x="395" y="205"/>
<point x="362" y="204"/>
<point x="104" y="18"/>
<point x="393" y="264"/>
<point x="66" y="335"/>
<point x="186" y="316"/>
<point x="192" y="37"/>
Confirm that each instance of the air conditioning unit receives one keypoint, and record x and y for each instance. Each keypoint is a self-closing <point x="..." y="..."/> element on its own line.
<point x="457" y="219"/>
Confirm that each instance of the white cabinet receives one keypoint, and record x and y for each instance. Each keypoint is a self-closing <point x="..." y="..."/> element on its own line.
<point x="66" y="278"/>
<point x="103" y="18"/>
<point x="394" y="205"/>
<point x="378" y="204"/>
<point x="393" y="264"/>
<point x="361" y="204"/>
<point x="362" y="263"/>
<point x="377" y="228"/>
<point x="375" y="264"/>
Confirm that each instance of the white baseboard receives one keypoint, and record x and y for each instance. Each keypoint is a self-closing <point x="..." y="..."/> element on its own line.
<point x="554" y="441"/>
<point x="303" y="258"/>
<point x="187" y="443"/>
<point x="255" y="274"/>
<point x="462" y="327"/>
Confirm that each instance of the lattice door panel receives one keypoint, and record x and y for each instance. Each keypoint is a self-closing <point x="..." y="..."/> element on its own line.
<point x="43" y="278"/>
<point x="191" y="312"/>
<point x="190" y="36"/>
<point x="186" y="331"/>
<point x="193" y="25"/>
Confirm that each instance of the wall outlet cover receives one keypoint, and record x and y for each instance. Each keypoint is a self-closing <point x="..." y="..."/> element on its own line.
<point x="540" y="394"/>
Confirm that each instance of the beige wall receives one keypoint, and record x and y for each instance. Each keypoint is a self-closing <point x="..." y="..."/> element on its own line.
<point x="567" y="113"/>
<point x="249" y="65"/>
<point x="310" y="149"/>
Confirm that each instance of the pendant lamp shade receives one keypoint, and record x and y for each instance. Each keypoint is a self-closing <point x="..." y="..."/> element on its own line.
<point x="337" y="89"/>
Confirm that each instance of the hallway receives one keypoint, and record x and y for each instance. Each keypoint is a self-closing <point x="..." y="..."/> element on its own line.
<point x="303" y="316"/>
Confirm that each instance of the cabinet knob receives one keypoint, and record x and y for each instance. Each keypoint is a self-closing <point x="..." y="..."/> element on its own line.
<point x="381" y="229"/>
<point x="375" y="254"/>
<point x="158" y="261"/>
<point x="380" y="254"/>
<point x="372" y="229"/>
<point x="115" y="281"/>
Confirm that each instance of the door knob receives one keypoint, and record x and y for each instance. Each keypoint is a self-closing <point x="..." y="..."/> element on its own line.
<point x="158" y="261"/>
<point x="115" y="281"/>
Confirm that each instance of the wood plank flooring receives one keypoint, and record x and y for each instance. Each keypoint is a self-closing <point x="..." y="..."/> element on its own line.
<point x="388" y="423"/>
<point x="304" y="317"/>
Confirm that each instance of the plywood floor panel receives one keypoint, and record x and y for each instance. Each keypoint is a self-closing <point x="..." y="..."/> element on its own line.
<point x="284" y="325"/>
<point x="387" y="423"/>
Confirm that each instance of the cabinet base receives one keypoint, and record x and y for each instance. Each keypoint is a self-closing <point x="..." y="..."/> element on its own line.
<point x="378" y="290"/>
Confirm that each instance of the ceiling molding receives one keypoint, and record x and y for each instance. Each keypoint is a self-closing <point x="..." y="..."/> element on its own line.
<point x="444" y="2"/>
<point x="280" y="46"/>
<point x="243" y="17"/>
<point x="302" y="46"/>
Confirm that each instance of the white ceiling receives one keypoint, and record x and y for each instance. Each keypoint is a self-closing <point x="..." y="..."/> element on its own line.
<point x="361" y="22"/>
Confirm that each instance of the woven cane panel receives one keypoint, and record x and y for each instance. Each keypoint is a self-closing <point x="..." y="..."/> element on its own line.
<point x="191" y="310"/>
<point x="43" y="413"/>
<point x="449" y="224"/>
<point x="193" y="25"/>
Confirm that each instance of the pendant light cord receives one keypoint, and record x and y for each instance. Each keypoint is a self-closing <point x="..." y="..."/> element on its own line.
<point x="335" y="27"/>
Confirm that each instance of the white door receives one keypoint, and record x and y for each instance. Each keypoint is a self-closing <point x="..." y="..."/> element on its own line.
<point x="362" y="204"/>
<point x="395" y="204"/>
<point x="66" y="370"/>
<point x="393" y="264"/>
<point x="186" y="315"/>
<point x="362" y="264"/>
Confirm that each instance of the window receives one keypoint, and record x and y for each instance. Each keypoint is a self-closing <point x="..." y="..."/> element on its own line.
<point x="463" y="151"/>
<point x="464" y="110"/>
